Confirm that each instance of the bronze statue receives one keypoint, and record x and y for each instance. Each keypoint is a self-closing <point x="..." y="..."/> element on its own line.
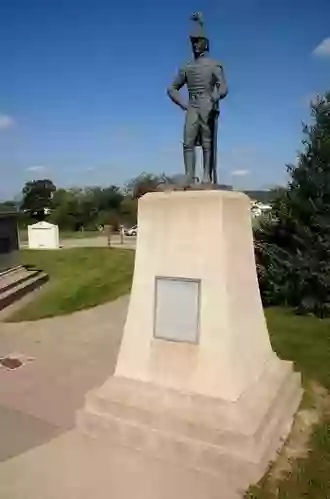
<point x="206" y="83"/>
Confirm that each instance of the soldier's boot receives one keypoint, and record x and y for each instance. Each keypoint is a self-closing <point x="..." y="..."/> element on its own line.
<point x="189" y="164"/>
<point x="207" y="174"/>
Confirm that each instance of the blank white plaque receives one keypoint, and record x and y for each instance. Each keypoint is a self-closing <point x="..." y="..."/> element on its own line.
<point x="177" y="309"/>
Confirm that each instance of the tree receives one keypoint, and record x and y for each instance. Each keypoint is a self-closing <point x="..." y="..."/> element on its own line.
<point x="146" y="182"/>
<point x="87" y="207"/>
<point x="64" y="209"/>
<point x="293" y="250"/>
<point x="110" y="198"/>
<point x="128" y="210"/>
<point x="37" y="197"/>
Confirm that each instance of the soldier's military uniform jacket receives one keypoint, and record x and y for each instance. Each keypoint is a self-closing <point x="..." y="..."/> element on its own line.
<point x="204" y="77"/>
<point x="206" y="85"/>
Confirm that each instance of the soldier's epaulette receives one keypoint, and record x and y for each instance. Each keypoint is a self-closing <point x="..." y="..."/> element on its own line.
<point x="217" y="63"/>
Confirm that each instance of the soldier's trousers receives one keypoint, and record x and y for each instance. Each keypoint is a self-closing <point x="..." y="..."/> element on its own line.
<point x="198" y="126"/>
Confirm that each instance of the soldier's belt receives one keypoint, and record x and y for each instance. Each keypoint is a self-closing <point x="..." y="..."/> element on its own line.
<point x="196" y="95"/>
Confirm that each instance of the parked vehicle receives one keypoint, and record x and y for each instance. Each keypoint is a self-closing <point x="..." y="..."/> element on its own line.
<point x="131" y="232"/>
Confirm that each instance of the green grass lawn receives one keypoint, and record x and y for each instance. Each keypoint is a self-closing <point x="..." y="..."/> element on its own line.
<point x="306" y="341"/>
<point x="79" y="278"/>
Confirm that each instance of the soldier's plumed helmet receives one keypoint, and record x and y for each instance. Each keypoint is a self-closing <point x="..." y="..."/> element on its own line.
<point x="198" y="31"/>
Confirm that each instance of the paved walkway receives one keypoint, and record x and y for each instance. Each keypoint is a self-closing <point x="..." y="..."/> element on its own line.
<point x="100" y="241"/>
<point x="76" y="467"/>
<point x="63" y="358"/>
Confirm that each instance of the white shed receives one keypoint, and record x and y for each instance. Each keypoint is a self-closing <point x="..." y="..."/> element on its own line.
<point x="43" y="235"/>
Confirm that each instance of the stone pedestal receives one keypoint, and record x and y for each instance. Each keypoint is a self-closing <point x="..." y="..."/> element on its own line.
<point x="196" y="381"/>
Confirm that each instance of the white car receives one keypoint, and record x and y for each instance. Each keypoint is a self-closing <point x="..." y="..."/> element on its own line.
<point x="131" y="232"/>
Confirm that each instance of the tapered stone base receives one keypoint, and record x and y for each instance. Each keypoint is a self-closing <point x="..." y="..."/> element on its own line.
<point x="215" y="398"/>
<point x="236" y="440"/>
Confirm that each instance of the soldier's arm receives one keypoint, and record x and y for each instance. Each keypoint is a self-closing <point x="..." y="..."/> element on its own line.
<point x="173" y="90"/>
<point x="221" y="88"/>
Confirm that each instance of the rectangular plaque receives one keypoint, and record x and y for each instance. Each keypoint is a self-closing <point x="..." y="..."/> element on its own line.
<point x="177" y="304"/>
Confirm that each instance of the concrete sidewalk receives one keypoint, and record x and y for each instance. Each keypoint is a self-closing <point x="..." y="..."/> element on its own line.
<point x="99" y="241"/>
<point x="20" y="432"/>
<point x="63" y="358"/>
<point x="76" y="467"/>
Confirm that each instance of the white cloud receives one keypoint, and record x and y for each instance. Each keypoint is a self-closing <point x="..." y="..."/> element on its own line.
<point x="6" y="122"/>
<point x="323" y="49"/>
<point x="36" y="169"/>
<point x="240" y="173"/>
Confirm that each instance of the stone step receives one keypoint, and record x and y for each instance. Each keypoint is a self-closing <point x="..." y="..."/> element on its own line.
<point x="156" y="445"/>
<point x="290" y="388"/>
<point x="170" y="418"/>
<point x="279" y="427"/>
<point x="151" y="403"/>
<point x="18" y="284"/>
<point x="15" y="277"/>
<point x="226" y="453"/>
<point x="4" y="273"/>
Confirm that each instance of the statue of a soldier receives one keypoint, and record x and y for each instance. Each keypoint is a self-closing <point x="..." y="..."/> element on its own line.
<point x="206" y="83"/>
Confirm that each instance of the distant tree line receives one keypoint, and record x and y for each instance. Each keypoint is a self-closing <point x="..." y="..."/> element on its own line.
<point x="90" y="207"/>
<point x="85" y="208"/>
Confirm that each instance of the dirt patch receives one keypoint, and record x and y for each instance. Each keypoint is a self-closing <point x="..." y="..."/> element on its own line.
<point x="315" y="406"/>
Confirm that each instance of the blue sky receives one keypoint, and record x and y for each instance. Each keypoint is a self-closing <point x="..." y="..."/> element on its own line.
<point x="83" y="87"/>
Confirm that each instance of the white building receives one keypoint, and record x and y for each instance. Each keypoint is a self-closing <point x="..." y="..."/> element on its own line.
<point x="43" y="235"/>
<point x="258" y="208"/>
